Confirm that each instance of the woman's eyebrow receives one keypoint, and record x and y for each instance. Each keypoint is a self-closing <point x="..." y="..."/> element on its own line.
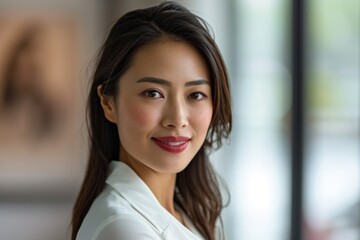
<point x="154" y="80"/>
<point x="168" y="83"/>
<point x="197" y="82"/>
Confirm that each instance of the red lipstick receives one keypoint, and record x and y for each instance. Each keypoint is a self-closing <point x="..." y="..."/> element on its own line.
<point x="172" y="144"/>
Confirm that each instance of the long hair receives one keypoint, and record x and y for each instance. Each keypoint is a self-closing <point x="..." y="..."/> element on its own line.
<point x="197" y="188"/>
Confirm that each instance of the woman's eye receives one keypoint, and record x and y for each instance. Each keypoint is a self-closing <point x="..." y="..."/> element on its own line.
<point x="153" y="94"/>
<point x="197" y="96"/>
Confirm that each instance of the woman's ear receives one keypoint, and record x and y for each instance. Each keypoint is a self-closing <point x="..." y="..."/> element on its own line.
<point x="108" y="106"/>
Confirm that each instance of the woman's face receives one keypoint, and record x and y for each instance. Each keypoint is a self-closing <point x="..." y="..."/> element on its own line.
<point x="164" y="107"/>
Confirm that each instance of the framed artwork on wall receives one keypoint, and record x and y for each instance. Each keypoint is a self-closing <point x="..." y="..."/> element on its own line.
<point x="40" y="121"/>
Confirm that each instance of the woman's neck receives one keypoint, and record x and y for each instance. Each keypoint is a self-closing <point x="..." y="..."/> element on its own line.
<point x="162" y="185"/>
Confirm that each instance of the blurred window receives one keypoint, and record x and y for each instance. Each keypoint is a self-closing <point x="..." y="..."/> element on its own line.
<point x="332" y="163"/>
<point x="260" y="181"/>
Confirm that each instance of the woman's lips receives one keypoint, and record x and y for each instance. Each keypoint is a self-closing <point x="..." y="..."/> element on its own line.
<point x="172" y="144"/>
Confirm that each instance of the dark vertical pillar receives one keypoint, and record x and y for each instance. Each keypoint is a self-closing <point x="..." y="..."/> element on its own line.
<point x="297" y="161"/>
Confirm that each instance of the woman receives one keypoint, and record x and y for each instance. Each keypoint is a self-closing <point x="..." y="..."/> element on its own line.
<point x="159" y="102"/>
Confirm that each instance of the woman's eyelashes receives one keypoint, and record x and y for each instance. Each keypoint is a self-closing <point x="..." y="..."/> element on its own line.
<point x="197" y="96"/>
<point x="156" y="94"/>
<point x="152" y="93"/>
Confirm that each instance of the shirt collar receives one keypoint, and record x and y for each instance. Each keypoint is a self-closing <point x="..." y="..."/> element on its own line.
<point x="130" y="186"/>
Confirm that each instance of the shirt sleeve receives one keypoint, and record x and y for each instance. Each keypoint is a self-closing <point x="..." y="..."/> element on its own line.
<point x="125" y="229"/>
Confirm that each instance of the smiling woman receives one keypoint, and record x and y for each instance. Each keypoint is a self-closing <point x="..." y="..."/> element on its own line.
<point x="154" y="113"/>
<point x="152" y="116"/>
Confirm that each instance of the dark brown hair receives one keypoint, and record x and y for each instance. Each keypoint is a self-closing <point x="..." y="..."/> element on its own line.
<point x="197" y="188"/>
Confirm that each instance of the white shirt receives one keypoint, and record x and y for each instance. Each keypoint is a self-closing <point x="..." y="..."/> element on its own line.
<point x="127" y="210"/>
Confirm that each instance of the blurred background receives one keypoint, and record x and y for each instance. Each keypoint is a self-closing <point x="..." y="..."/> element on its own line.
<point x="47" y="49"/>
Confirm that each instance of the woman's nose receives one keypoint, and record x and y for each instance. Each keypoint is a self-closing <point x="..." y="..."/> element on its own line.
<point x="175" y="114"/>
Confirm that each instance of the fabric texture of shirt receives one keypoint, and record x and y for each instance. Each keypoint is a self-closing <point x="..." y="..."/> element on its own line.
<point x="127" y="210"/>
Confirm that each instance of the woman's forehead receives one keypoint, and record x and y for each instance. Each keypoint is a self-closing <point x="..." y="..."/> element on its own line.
<point x="169" y="60"/>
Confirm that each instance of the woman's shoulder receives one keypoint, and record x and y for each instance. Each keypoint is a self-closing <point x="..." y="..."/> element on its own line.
<point x="110" y="213"/>
<point x="109" y="203"/>
<point x="124" y="227"/>
<point x="118" y="227"/>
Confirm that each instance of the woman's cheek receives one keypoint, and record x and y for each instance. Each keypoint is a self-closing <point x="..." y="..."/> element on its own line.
<point x="142" y="116"/>
<point x="206" y="120"/>
<point x="203" y="116"/>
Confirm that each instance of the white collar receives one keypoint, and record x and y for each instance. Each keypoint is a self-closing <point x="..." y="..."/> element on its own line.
<point x="131" y="187"/>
